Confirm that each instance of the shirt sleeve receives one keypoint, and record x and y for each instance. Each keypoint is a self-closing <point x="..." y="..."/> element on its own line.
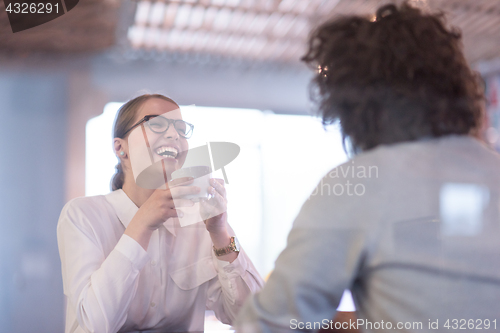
<point x="323" y="254"/>
<point x="235" y="282"/>
<point x="99" y="288"/>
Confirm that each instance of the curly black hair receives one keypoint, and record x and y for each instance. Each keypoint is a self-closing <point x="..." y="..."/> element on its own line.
<point x="400" y="77"/>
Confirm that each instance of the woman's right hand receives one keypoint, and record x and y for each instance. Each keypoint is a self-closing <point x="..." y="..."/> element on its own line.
<point x="159" y="207"/>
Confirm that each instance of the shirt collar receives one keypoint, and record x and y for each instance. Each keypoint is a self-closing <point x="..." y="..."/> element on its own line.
<point x="126" y="209"/>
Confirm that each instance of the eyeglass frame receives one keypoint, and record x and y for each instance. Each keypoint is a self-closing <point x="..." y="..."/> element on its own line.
<point x="170" y="122"/>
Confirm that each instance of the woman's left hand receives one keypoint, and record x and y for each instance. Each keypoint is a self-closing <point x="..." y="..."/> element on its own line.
<point x="214" y="214"/>
<point x="213" y="211"/>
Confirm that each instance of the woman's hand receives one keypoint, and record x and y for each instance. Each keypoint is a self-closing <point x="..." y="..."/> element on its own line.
<point x="159" y="207"/>
<point x="213" y="211"/>
<point x="214" y="214"/>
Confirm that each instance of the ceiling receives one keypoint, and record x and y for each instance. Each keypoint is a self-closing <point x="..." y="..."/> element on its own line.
<point x="252" y="30"/>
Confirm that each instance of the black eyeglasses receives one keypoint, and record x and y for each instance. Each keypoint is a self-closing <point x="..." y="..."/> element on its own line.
<point x="160" y="124"/>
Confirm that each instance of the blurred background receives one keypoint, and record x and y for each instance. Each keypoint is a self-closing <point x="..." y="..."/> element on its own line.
<point x="236" y="60"/>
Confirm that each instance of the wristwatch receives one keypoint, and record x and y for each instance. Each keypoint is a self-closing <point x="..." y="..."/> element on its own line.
<point x="234" y="246"/>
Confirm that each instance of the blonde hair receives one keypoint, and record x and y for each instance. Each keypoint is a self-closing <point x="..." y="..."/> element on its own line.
<point x="124" y="120"/>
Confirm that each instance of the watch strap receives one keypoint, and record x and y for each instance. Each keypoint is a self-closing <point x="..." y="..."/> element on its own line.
<point x="232" y="247"/>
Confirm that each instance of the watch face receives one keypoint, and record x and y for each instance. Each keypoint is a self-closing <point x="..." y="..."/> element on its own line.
<point x="236" y="245"/>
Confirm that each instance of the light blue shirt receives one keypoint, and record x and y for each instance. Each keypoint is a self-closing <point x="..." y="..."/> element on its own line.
<point x="412" y="229"/>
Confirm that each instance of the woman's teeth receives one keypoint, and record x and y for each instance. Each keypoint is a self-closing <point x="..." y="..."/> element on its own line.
<point x="167" y="152"/>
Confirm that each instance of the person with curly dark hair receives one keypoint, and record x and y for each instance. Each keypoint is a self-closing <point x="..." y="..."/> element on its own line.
<point x="410" y="223"/>
<point x="400" y="78"/>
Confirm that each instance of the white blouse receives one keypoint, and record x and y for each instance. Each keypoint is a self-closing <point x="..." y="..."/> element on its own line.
<point x="113" y="285"/>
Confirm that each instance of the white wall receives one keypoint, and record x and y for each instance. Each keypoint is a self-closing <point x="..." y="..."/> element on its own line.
<point x="282" y="158"/>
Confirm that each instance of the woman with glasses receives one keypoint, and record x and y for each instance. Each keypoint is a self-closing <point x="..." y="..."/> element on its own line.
<point x="126" y="263"/>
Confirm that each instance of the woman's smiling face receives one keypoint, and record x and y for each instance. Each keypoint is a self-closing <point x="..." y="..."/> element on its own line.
<point x="168" y="146"/>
